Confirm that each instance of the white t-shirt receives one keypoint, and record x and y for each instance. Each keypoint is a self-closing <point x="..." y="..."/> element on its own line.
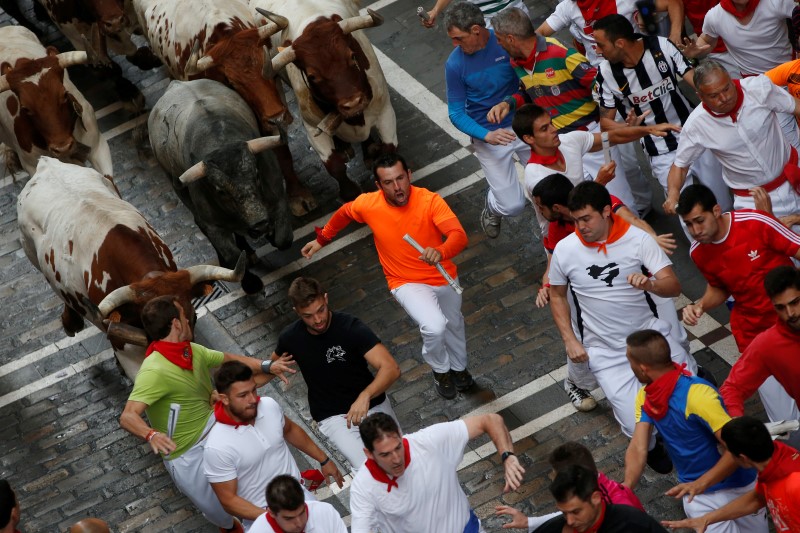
<point x="322" y="518"/>
<point x="568" y="15"/>
<point x="252" y="455"/>
<point x="428" y="496"/>
<point x="608" y="307"/>
<point x="761" y="44"/>
<point x="752" y="150"/>
<point x="574" y="145"/>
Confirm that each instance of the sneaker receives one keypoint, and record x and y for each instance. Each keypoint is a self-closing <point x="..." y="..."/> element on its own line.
<point x="462" y="379"/>
<point x="581" y="399"/>
<point x="444" y="385"/>
<point x="490" y="223"/>
<point x="658" y="458"/>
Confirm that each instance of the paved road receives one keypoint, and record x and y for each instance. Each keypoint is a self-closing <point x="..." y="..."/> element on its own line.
<point x="60" y="398"/>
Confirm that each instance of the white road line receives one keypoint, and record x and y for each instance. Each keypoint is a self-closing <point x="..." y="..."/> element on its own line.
<point x="107" y="110"/>
<point x="50" y="349"/>
<point x="125" y="126"/>
<point x="538" y="384"/>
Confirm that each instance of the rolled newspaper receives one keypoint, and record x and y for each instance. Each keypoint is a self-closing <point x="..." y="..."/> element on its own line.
<point x="606" y="147"/>
<point x="453" y="283"/>
<point x="172" y="420"/>
<point x="421" y="13"/>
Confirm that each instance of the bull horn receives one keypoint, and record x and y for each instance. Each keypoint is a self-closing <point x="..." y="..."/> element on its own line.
<point x="126" y="333"/>
<point x="284" y="57"/>
<point x="193" y="173"/>
<point x="352" y="24"/>
<point x="202" y="273"/>
<point x="272" y="26"/>
<point x="67" y="59"/>
<point x="116" y="298"/>
<point x="196" y="64"/>
<point x="4" y="86"/>
<point x="264" y="143"/>
<point x="283" y="22"/>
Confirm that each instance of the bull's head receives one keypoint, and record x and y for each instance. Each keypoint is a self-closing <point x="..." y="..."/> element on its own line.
<point x="46" y="113"/>
<point x="108" y="14"/>
<point x="239" y="58"/>
<point x="180" y="283"/>
<point x="245" y="189"/>
<point x="333" y="61"/>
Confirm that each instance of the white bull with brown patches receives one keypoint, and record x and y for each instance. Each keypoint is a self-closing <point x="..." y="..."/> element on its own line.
<point x="41" y="111"/>
<point x="101" y="256"/>
<point x="335" y="74"/>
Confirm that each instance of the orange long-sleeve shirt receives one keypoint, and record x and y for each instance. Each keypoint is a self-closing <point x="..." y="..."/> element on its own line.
<point x="426" y="217"/>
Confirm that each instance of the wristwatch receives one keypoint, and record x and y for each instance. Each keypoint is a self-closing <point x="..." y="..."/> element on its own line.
<point x="506" y="455"/>
<point x="266" y="365"/>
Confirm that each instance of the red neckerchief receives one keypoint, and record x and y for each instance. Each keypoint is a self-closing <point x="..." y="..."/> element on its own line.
<point x="224" y="418"/>
<point x="656" y="401"/>
<point x="596" y="526"/>
<point x="618" y="229"/>
<point x="728" y="6"/>
<point x="380" y="475"/>
<point x="528" y="63"/>
<point x="177" y="353"/>
<point x="785" y="460"/>
<point x="274" y="524"/>
<point x="546" y="160"/>
<point x="594" y="10"/>
<point x="735" y="110"/>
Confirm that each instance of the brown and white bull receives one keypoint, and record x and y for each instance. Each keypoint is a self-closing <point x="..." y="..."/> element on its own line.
<point x="41" y="111"/>
<point x="334" y="73"/>
<point x="219" y="40"/>
<point x="100" y="255"/>
<point x="98" y="26"/>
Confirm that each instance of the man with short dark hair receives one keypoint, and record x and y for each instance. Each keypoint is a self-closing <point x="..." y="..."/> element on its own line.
<point x="9" y="508"/>
<point x="288" y="512"/>
<point x="583" y="508"/>
<point x="410" y="483"/>
<point x="689" y="415"/>
<point x="734" y="251"/>
<point x="778" y="487"/>
<point x="775" y="351"/>
<point x="334" y="351"/>
<point x="395" y="209"/>
<point x="478" y="75"/>
<point x="178" y="371"/>
<point x="248" y="446"/>
<point x="611" y="268"/>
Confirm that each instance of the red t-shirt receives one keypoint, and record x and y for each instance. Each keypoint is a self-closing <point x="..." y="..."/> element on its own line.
<point x="755" y="244"/>
<point x="779" y="484"/>
<point x="562" y="228"/>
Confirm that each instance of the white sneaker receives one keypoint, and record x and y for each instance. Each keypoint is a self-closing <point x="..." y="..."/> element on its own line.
<point x="581" y="399"/>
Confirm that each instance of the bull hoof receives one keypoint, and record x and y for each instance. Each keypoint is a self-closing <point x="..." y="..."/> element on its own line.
<point x="251" y="283"/>
<point x="144" y="59"/>
<point x="301" y="204"/>
<point x="348" y="190"/>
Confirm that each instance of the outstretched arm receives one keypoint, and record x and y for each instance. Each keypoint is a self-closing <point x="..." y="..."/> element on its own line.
<point x="492" y="424"/>
<point x="340" y="219"/>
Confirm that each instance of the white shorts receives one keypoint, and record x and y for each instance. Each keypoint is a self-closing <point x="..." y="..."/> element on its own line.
<point x="711" y="501"/>
<point x="506" y="196"/>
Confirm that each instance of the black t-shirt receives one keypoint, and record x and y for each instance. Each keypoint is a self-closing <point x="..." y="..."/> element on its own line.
<point x="332" y="363"/>
<point x="618" y="519"/>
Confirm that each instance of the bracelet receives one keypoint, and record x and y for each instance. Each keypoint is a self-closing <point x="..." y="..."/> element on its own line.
<point x="546" y="286"/>
<point x="152" y="433"/>
<point x="506" y="455"/>
<point x="326" y="461"/>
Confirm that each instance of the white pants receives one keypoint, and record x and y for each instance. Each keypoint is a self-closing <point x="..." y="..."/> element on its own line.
<point x="348" y="440"/>
<point x="711" y="501"/>
<point x="707" y="170"/>
<point x="779" y="406"/>
<point x="437" y="311"/>
<point x="188" y="474"/>
<point x="506" y="197"/>
<point x="785" y="201"/>
<point x="620" y="385"/>
<point x="639" y="183"/>
<point x="619" y="186"/>
<point x="667" y="312"/>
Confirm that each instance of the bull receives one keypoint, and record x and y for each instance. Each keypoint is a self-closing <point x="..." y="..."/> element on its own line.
<point x="218" y="40"/>
<point x="205" y="136"/>
<point x="41" y="111"/>
<point x="100" y="255"/>
<point x="334" y="72"/>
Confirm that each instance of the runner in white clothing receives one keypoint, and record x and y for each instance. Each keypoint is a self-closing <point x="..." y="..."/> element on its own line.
<point x="604" y="264"/>
<point x="489" y="8"/>
<point x="411" y="482"/>
<point x="738" y="124"/>
<point x="288" y="512"/>
<point x="236" y="460"/>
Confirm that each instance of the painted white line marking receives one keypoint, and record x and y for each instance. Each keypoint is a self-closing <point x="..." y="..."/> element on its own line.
<point x="125" y="126"/>
<point x="538" y="384"/>
<point x="55" y="377"/>
<point x="107" y="110"/>
<point x="48" y="350"/>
